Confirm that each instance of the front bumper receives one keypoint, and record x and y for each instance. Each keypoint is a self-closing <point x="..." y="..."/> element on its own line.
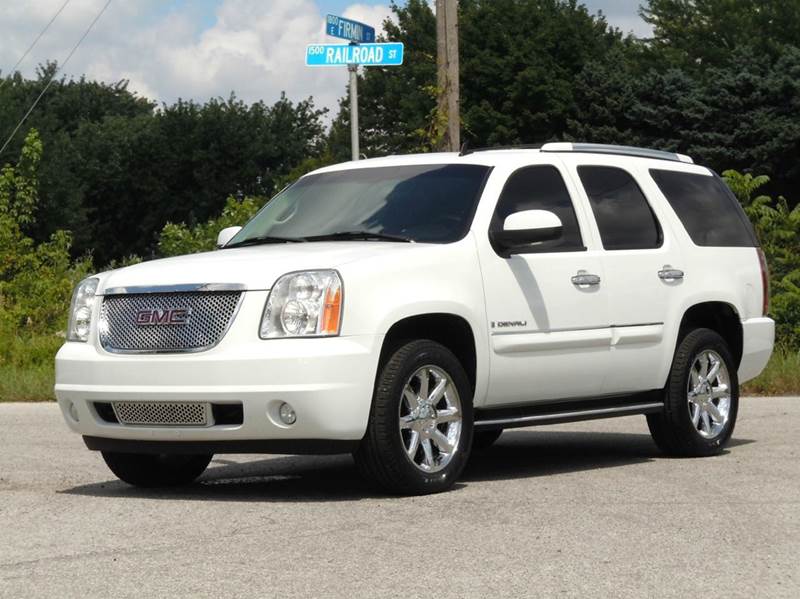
<point x="328" y="382"/>
<point x="758" y="339"/>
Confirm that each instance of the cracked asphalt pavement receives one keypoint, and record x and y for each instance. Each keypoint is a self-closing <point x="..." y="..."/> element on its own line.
<point x="575" y="510"/>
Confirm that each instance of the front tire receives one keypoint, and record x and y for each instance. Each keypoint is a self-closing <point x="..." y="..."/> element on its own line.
<point x="420" y="426"/>
<point x="701" y="399"/>
<point x="154" y="470"/>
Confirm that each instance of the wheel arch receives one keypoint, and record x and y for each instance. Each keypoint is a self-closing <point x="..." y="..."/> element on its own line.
<point x="718" y="316"/>
<point x="450" y="330"/>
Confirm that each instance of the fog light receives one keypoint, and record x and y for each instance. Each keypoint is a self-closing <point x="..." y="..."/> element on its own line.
<point x="287" y="414"/>
<point x="73" y="412"/>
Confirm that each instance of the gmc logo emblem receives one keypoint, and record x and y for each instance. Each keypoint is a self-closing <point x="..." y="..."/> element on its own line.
<point x="173" y="316"/>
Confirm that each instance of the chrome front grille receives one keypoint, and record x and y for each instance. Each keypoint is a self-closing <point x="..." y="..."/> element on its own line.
<point x="162" y="413"/>
<point x="166" y="322"/>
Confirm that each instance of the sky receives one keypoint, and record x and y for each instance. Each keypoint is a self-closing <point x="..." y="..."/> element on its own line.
<point x="170" y="49"/>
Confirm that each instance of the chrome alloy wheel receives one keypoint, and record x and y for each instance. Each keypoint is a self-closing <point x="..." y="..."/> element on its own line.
<point x="709" y="394"/>
<point x="430" y="419"/>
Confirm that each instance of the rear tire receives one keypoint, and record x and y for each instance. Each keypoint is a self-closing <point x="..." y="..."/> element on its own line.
<point x="420" y="426"/>
<point x="701" y="399"/>
<point x="156" y="470"/>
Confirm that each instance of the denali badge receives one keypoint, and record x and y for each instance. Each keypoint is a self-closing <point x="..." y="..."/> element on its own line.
<point x="174" y="316"/>
<point x="502" y="324"/>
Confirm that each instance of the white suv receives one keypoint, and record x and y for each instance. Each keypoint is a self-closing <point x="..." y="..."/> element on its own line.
<point x="408" y="309"/>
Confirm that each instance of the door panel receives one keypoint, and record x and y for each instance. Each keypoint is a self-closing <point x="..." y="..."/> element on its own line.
<point x="550" y="338"/>
<point x="639" y="299"/>
<point x="639" y="305"/>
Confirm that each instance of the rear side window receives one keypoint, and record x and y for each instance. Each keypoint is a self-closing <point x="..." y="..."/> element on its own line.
<point x="540" y="188"/>
<point x="708" y="210"/>
<point x="624" y="217"/>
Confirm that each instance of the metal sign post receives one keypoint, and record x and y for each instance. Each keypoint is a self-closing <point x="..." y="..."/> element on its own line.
<point x="353" y="68"/>
<point x="360" y="51"/>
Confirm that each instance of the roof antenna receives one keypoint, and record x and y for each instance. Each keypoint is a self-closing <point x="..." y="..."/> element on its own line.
<point x="464" y="149"/>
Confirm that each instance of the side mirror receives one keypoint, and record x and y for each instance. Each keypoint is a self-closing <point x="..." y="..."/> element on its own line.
<point x="226" y="235"/>
<point x="524" y="228"/>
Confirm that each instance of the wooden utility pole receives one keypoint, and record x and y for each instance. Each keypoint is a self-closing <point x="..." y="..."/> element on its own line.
<point x="447" y="73"/>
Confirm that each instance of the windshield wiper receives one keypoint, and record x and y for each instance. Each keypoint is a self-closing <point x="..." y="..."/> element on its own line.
<point x="264" y="239"/>
<point x="358" y="236"/>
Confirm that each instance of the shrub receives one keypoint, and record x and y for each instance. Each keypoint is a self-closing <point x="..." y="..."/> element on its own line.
<point x="36" y="281"/>
<point x="778" y="229"/>
<point x="180" y="238"/>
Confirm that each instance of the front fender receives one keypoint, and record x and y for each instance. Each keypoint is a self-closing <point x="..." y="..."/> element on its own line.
<point x="435" y="279"/>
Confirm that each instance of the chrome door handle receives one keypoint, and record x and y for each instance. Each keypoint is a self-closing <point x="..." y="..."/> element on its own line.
<point x="584" y="278"/>
<point x="670" y="274"/>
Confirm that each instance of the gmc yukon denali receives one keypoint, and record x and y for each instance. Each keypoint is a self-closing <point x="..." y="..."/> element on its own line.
<point x="408" y="309"/>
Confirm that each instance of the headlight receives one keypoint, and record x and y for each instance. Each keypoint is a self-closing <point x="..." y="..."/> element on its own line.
<point x="304" y="304"/>
<point x="80" y="311"/>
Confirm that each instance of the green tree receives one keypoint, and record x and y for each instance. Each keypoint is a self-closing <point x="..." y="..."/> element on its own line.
<point x="117" y="168"/>
<point x="518" y="62"/>
<point x="67" y="105"/>
<point x="701" y="33"/>
<point x="742" y="115"/>
<point x="36" y="280"/>
<point x="181" y="163"/>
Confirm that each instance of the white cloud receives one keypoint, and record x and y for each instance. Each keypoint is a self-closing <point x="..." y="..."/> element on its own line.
<point x="256" y="49"/>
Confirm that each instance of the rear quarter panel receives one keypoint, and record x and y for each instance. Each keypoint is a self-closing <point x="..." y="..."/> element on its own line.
<point x="712" y="274"/>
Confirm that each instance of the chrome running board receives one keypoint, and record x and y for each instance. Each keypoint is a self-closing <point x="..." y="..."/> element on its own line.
<point x="565" y="412"/>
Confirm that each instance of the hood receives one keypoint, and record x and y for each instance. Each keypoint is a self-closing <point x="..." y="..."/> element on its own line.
<point x="257" y="267"/>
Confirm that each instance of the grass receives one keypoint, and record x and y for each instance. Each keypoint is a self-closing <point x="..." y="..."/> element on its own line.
<point x="27" y="370"/>
<point x="34" y="382"/>
<point x="31" y="383"/>
<point x="780" y="377"/>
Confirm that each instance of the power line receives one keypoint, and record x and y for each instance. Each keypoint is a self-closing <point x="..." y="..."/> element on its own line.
<point x="52" y="78"/>
<point x="36" y="41"/>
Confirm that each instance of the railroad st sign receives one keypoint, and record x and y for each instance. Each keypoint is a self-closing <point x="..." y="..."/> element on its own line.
<point x="354" y="31"/>
<point x="361" y="51"/>
<point x="340" y="55"/>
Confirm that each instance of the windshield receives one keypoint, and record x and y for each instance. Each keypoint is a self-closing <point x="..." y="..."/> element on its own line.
<point x="422" y="203"/>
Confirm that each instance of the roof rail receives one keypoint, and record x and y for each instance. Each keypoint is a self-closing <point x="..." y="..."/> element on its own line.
<point x="618" y="150"/>
<point x="465" y="149"/>
<point x="566" y="146"/>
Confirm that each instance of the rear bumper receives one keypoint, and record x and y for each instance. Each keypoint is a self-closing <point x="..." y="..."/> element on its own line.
<point x="328" y="382"/>
<point x="758" y="339"/>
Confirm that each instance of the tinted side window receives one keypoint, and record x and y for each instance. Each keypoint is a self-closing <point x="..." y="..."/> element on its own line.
<point x="624" y="217"/>
<point x="709" y="212"/>
<point x="540" y="188"/>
